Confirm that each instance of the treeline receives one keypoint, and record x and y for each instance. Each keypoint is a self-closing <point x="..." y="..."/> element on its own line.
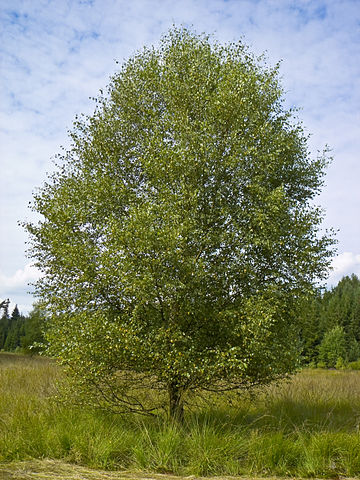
<point x="21" y="333"/>
<point x="329" y="327"/>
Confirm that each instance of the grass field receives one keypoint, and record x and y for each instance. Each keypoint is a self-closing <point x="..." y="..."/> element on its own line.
<point x="306" y="428"/>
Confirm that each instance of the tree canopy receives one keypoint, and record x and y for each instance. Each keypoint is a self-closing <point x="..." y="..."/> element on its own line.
<point x="179" y="232"/>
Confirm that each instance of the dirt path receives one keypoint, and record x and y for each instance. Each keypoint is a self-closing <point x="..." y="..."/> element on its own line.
<point x="57" y="470"/>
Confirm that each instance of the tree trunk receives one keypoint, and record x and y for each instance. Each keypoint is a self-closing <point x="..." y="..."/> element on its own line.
<point x="176" y="406"/>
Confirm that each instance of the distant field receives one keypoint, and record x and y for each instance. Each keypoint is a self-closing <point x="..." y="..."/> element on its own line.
<point x="308" y="427"/>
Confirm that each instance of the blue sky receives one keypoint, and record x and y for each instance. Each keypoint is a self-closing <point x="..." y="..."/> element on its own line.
<point x="55" y="54"/>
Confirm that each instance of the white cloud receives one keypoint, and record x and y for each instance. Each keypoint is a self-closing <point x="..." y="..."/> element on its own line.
<point x="17" y="287"/>
<point x="20" y="279"/>
<point x="344" y="264"/>
<point x="57" y="54"/>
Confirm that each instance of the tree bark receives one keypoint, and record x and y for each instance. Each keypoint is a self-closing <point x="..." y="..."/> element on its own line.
<point x="176" y="405"/>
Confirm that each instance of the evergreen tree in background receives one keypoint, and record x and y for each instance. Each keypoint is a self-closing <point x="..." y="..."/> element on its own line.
<point x="4" y="304"/>
<point x="341" y="306"/>
<point x="4" y="322"/>
<point x="332" y="317"/>
<point x="22" y="333"/>
<point x="34" y="326"/>
<point x="15" y="331"/>
<point x="311" y="332"/>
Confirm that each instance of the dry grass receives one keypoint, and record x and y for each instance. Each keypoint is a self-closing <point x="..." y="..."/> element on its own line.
<point x="308" y="427"/>
<point x="57" y="470"/>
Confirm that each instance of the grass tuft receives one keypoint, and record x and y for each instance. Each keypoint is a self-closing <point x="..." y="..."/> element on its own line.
<point x="306" y="428"/>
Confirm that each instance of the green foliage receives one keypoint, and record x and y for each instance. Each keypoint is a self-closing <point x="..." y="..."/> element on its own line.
<point x="353" y="349"/>
<point x="14" y="331"/>
<point x="33" y="340"/>
<point x="338" y="307"/>
<point x="354" y="365"/>
<point x="333" y="347"/>
<point x="321" y="364"/>
<point x="23" y="333"/>
<point x="340" y="364"/>
<point x="11" y="329"/>
<point x="4" y="322"/>
<point x="342" y="306"/>
<point x="310" y="332"/>
<point x="179" y="235"/>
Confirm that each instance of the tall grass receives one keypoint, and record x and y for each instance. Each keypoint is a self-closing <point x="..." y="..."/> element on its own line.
<point x="307" y="427"/>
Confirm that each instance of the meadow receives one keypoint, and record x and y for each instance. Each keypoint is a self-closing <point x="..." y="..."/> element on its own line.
<point x="305" y="427"/>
